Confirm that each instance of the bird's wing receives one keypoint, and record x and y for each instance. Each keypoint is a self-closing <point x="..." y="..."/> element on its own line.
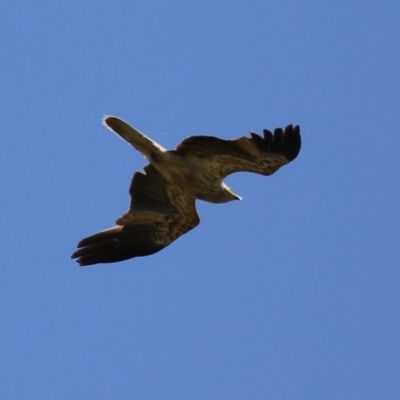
<point x="159" y="213"/>
<point x="262" y="155"/>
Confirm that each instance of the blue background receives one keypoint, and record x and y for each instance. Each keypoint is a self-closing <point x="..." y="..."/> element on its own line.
<point x="292" y="293"/>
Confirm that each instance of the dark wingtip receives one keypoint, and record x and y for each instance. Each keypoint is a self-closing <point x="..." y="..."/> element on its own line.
<point x="292" y="142"/>
<point x="80" y="259"/>
<point x="116" y="244"/>
<point x="286" y="142"/>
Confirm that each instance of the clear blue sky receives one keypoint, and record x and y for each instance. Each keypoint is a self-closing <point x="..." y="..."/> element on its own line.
<point x="292" y="293"/>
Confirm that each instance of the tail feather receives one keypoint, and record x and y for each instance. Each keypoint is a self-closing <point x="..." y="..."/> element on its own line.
<point x="149" y="148"/>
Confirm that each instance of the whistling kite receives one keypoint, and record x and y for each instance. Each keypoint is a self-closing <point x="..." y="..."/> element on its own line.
<point x="163" y="197"/>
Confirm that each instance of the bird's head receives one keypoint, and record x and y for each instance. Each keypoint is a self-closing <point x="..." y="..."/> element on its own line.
<point x="227" y="194"/>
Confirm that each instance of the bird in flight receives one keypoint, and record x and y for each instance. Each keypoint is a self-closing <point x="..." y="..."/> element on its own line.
<point x="163" y="197"/>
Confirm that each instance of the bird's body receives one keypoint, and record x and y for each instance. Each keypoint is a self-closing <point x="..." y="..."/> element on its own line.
<point x="192" y="172"/>
<point x="163" y="198"/>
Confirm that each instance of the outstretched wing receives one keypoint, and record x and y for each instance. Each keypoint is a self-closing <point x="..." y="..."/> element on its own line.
<point x="159" y="213"/>
<point x="262" y="155"/>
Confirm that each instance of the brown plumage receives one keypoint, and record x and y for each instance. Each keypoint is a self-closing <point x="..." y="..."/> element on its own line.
<point x="163" y="197"/>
